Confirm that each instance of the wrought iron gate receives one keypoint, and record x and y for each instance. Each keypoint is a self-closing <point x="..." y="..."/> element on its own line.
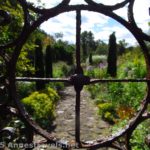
<point x="78" y="80"/>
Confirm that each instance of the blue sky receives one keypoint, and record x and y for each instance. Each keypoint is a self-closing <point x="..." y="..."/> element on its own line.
<point x="100" y="25"/>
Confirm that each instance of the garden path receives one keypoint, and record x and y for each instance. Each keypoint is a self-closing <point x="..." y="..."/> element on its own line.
<point x="92" y="127"/>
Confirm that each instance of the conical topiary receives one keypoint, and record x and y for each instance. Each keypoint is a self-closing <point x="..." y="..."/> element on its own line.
<point x="112" y="56"/>
<point x="48" y="62"/>
<point x="39" y="65"/>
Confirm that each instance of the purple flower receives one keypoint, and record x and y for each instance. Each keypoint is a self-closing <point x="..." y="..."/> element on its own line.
<point x="102" y="65"/>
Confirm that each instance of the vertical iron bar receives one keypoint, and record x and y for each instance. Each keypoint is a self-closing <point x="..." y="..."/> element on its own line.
<point x="77" y="123"/>
<point x="78" y="71"/>
<point x="78" y="32"/>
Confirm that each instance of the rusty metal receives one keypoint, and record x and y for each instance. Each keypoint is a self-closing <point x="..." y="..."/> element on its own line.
<point x="32" y="79"/>
<point x="118" y="80"/>
<point x="78" y="51"/>
<point x="78" y="80"/>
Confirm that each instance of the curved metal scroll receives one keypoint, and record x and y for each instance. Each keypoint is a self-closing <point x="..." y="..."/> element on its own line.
<point x="78" y="80"/>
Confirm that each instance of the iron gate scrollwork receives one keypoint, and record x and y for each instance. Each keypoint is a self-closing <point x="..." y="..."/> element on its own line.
<point x="78" y="80"/>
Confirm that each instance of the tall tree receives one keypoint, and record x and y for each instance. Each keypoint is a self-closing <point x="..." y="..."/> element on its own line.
<point x="90" y="59"/>
<point x="48" y="62"/>
<point x="88" y="43"/>
<point x="112" y="56"/>
<point x="84" y="43"/>
<point x="39" y="65"/>
<point x="122" y="46"/>
<point x="91" y="41"/>
<point x="101" y="47"/>
<point x="63" y="51"/>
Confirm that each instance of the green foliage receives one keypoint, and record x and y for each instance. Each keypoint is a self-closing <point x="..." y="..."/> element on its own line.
<point x="126" y="94"/>
<point x="119" y="126"/>
<point x="105" y="107"/>
<point x="11" y="31"/>
<point x="63" y="52"/>
<point x="24" y="89"/>
<point x="102" y="48"/>
<point x="39" y="65"/>
<point x="96" y="72"/>
<point x="132" y="65"/>
<point x="13" y="2"/>
<point x="94" y="89"/>
<point x="88" y="43"/>
<point x="48" y="62"/>
<point x="118" y="102"/>
<point x="97" y="59"/>
<point x="122" y="47"/>
<point x="61" y="69"/>
<point x="109" y="117"/>
<point x="41" y="105"/>
<point x="25" y="65"/>
<point x="26" y="61"/>
<point x="115" y="92"/>
<point x="112" y="56"/>
<point x="90" y="58"/>
<point x="107" y="111"/>
<point x="56" y="85"/>
<point x="138" y="137"/>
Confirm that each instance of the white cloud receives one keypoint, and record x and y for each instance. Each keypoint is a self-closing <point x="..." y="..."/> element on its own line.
<point x="108" y="2"/>
<point x="64" y="23"/>
<point x="77" y="2"/>
<point x="100" y="25"/>
<point x="91" y="20"/>
<point x="141" y="11"/>
<point x="121" y="33"/>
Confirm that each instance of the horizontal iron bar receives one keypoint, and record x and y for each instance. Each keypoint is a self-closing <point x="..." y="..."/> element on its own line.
<point x="91" y="80"/>
<point x="117" y="80"/>
<point x="32" y="79"/>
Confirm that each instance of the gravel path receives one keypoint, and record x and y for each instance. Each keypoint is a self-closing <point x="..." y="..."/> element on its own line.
<point x="92" y="127"/>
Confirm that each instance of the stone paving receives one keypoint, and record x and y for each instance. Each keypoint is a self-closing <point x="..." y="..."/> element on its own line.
<point x="92" y="127"/>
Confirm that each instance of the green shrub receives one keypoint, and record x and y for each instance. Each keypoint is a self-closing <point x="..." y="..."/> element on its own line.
<point x="109" y="117"/>
<point x="98" y="59"/>
<point x="139" y="135"/>
<point x="25" y="88"/>
<point x="96" y="72"/>
<point x="132" y="65"/>
<point x="119" y="126"/>
<point x="61" y="69"/>
<point x="65" y="69"/>
<point x="94" y="90"/>
<point x="115" y="92"/>
<point x="56" y="85"/>
<point x="124" y="94"/>
<point x="105" y="107"/>
<point x="41" y="105"/>
<point x="107" y="111"/>
<point x="127" y="94"/>
<point x="134" y="94"/>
